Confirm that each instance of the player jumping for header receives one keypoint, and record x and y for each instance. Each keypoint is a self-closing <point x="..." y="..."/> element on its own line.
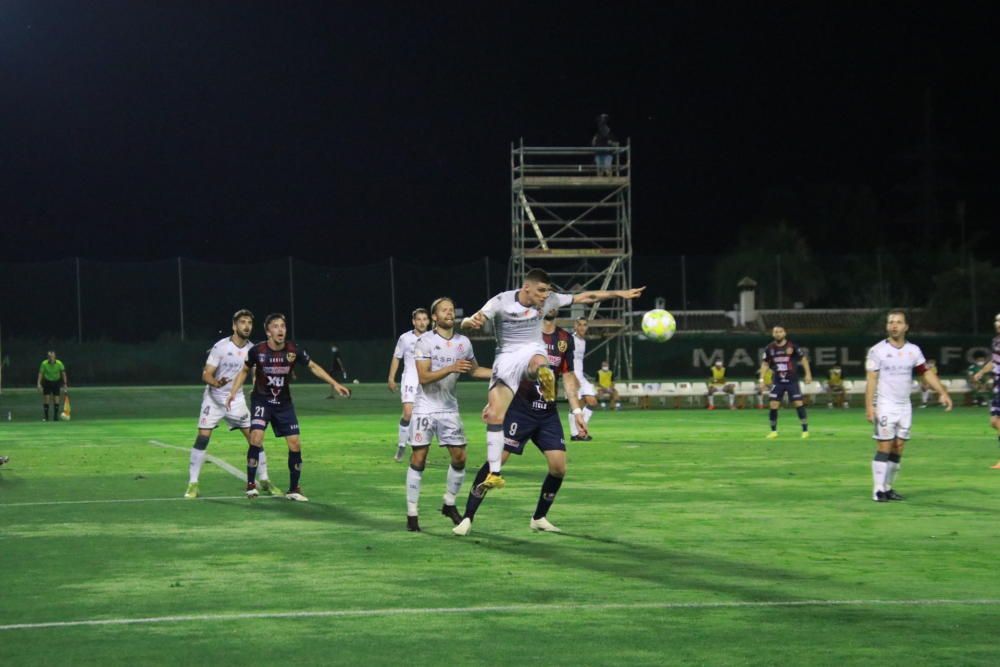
<point x="516" y="316"/>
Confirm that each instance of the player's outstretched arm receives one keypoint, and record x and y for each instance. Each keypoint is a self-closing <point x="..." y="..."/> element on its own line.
<point x="594" y="296"/>
<point x="318" y="371"/>
<point x="931" y="377"/>
<point x="871" y="378"/>
<point x="481" y="372"/>
<point x="237" y="386"/>
<point x="474" y="322"/>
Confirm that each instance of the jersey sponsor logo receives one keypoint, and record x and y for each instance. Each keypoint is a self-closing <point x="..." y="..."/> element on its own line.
<point x="788" y="350"/>
<point x="562" y="345"/>
<point x="290" y="357"/>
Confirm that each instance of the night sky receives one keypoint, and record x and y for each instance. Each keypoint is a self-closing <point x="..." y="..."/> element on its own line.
<point x="345" y="132"/>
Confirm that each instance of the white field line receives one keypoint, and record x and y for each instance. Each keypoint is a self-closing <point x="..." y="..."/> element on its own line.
<point x="228" y="467"/>
<point x="124" y="500"/>
<point x="502" y="609"/>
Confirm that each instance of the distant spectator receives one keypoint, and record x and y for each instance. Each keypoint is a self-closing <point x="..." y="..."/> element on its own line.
<point x="52" y="382"/>
<point x="606" y="387"/>
<point x="718" y="384"/>
<point x="835" y="387"/>
<point x="604" y="141"/>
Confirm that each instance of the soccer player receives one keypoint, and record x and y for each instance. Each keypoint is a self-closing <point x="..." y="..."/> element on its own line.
<point x="440" y="356"/>
<point x="337" y="368"/>
<point x="781" y="355"/>
<point x="890" y="365"/>
<point x="225" y="361"/>
<point x="516" y="316"/>
<point x="52" y="381"/>
<point x="993" y="365"/>
<point x="925" y="389"/>
<point x="717" y="383"/>
<point x="588" y="396"/>
<point x="532" y="415"/>
<point x="606" y="386"/>
<point x="274" y="362"/>
<point x="408" y="390"/>
<point x="835" y="387"/>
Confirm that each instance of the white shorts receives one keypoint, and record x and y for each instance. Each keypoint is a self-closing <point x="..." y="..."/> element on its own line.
<point x="586" y="387"/>
<point x="509" y="367"/>
<point x="893" y="422"/>
<point x="408" y="388"/>
<point x="447" y="426"/>
<point x="214" y="411"/>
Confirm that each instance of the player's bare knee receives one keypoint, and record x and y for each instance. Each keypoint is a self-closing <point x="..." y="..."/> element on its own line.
<point x="407" y="411"/>
<point x="591" y="401"/>
<point x="458" y="457"/>
<point x="418" y="458"/>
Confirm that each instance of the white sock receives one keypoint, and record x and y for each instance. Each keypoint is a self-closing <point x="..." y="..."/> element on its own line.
<point x="572" y="425"/>
<point x="404" y="434"/>
<point x="878" y="474"/>
<point x="262" y="466"/>
<point x="494" y="448"/>
<point x="413" y="478"/>
<point x="454" y="484"/>
<point x="890" y="474"/>
<point x="587" y="412"/>
<point x="194" y="468"/>
<point x="732" y="400"/>
<point x="926" y="396"/>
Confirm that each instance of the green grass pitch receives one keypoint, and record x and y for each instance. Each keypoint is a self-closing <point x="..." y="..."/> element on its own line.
<point x="688" y="539"/>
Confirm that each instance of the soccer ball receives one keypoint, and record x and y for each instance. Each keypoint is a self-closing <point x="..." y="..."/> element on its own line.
<point x="658" y="325"/>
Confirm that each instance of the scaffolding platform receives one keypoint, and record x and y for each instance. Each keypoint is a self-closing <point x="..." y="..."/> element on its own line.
<point x="572" y="217"/>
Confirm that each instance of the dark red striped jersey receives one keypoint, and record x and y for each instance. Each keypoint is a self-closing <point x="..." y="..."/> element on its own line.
<point x="783" y="360"/>
<point x="559" y="348"/>
<point x="273" y="370"/>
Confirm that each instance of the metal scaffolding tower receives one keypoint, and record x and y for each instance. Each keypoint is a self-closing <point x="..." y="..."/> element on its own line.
<point x="573" y="219"/>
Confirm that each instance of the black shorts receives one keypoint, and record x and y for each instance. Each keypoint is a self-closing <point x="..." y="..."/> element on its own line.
<point x="995" y="403"/>
<point x="542" y="428"/>
<point x="51" y="387"/>
<point x="280" y="416"/>
<point x="793" y="389"/>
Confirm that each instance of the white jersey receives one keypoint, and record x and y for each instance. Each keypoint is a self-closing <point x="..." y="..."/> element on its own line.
<point x="228" y="360"/>
<point x="439" y="396"/>
<point x="404" y="351"/>
<point x="895" y="367"/>
<point x="579" y="350"/>
<point x="516" y="325"/>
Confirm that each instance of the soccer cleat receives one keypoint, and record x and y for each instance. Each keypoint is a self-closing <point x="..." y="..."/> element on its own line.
<point x="576" y="438"/>
<point x="464" y="528"/>
<point x="547" y="382"/>
<point x="492" y="481"/>
<point x="996" y="467"/>
<point x="398" y="458"/>
<point x="880" y="497"/>
<point x="296" y="494"/>
<point x="805" y="435"/>
<point x="891" y="494"/>
<point x="588" y="438"/>
<point x="543" y="525"/>
<point x="192" y="490"/>
<point x="772" y="435"/>
<point x="412" y="525"/>
<point x="266" y="488"/>
<point x="4" y="459"/>
<point x="451" y="512"/>
<point x="252" y="490"/>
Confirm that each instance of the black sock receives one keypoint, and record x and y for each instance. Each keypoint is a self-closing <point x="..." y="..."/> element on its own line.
<point x="472" y="504"/>
<point x="801" y="410"/>
<point x="550" y="487"/>
<point x="252" y="454"/>
<point x="774" y="420"/>
<point x="294" y="469"/>
<point x="45" y="406"/>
